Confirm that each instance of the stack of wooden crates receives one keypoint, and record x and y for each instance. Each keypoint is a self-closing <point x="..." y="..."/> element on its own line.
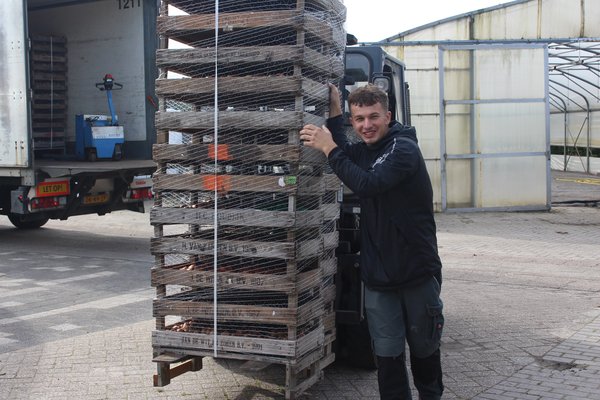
<point x="243" y="213"/>
<point x="48" y="62"/>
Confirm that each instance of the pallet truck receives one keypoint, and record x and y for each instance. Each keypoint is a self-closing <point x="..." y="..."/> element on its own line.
<point x="100" y="136"/>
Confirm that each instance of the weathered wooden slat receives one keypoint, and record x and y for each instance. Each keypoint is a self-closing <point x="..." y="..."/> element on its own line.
<point x="254" y="88"/>
<point x="237" y="217"/>
<point x="188" y="342"/>
<point x="178" y="24"/>
<point x="177" y="245"/>
<point x="329" y="321"/>
<point x="229" y="55"/>
<point x="328" y="294"/>
<point x="336" y="8"/>
<point x="328" y="266"/>
<point x="330" y="240"/>
<point x="238" y="312"/>
<point x="327" y="65"/>
<point x="229" y="85"/>
<point x="164" y="152"/>
<point x="247" y="183"/>
<point x="314" y="247"/>
<point x="228" y="22"/>
<point x="225" y="152"/>
<point x="236" y="120"/>
<point x="224" y="183"/>
<point x="266" y="358"/>
<point x="331" y="211"/>
<point x="225" y="312"/>
<point x="236" y="280"/>
<point x="183" y="340"/>
<point x="292" y="391"/>
<point x="333" y="34"/>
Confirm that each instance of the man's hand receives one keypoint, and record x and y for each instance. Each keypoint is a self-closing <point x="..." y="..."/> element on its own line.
<point x="318" y="138"/>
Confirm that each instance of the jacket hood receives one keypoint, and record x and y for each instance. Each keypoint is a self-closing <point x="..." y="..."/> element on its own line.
<point x="396" y="129"/>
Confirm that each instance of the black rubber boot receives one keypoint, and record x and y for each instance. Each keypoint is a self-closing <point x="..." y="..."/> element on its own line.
<point x="427" y="375"/>
<point x="392" y="377"/>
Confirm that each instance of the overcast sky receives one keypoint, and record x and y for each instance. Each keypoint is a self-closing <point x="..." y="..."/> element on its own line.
<point x="374" y="20"/>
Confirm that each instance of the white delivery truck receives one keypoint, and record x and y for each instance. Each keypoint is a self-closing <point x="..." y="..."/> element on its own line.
<point x="53" y="55"/>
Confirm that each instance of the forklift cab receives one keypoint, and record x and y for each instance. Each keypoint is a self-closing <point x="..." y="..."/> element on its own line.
<point x="370" y="64"/>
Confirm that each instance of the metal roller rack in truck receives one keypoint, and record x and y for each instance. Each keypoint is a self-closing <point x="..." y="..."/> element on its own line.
<point x="52" y="54"/>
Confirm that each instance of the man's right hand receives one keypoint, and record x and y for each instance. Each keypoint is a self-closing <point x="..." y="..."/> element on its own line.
<point x="318" y="138"/>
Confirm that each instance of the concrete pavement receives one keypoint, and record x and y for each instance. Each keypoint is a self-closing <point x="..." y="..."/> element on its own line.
<point x="522" y="307"/>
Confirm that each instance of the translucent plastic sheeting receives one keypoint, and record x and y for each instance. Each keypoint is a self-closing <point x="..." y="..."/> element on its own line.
<point x="495" y="127"/>
<point x="244" y="215"/>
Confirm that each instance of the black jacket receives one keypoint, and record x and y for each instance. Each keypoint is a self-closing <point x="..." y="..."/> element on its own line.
<point x="398" y="233"/>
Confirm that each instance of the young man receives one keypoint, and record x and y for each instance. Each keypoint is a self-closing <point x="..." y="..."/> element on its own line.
<point x="399" y="260"/>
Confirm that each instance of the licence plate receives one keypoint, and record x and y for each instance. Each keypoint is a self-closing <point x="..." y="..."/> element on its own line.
<point x="57" y="188"/>
<point x="95" y="198"/>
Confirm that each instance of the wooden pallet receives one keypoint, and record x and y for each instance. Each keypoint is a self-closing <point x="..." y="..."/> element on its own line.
<point x="271" y="258"/>
<point x="300" y="373"/>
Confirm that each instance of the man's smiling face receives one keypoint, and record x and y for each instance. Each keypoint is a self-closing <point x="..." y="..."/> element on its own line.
<point x="370" y="122"/>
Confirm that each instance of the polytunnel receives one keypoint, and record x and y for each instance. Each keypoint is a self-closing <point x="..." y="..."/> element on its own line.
<point x="501" y="97"/>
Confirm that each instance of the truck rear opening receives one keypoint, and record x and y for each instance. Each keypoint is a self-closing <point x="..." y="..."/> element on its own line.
<point x="53" y="55"/>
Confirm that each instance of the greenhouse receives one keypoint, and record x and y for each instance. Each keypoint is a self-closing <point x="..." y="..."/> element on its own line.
<point x="501" y="97"/>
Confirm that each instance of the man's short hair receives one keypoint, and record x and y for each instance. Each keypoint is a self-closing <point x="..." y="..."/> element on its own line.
<point x="368" y="95"/>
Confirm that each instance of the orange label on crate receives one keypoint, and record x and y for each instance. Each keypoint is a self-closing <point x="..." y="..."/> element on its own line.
<point x="45" y="189"/>
<point x="220" y="183"/>
<point x="222" y="151"/>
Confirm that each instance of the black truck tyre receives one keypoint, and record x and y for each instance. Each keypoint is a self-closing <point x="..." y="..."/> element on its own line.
<point x="27" y="221"/>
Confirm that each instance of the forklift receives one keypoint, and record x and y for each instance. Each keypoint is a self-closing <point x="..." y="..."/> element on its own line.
<point x="100" y="136"/>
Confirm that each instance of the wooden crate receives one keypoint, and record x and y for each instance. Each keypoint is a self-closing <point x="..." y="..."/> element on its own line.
<point x="48" y="61"/>
<point x="269" y="265"/>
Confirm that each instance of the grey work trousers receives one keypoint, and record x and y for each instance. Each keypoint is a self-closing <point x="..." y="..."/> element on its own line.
<point x="414" y="316"/>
